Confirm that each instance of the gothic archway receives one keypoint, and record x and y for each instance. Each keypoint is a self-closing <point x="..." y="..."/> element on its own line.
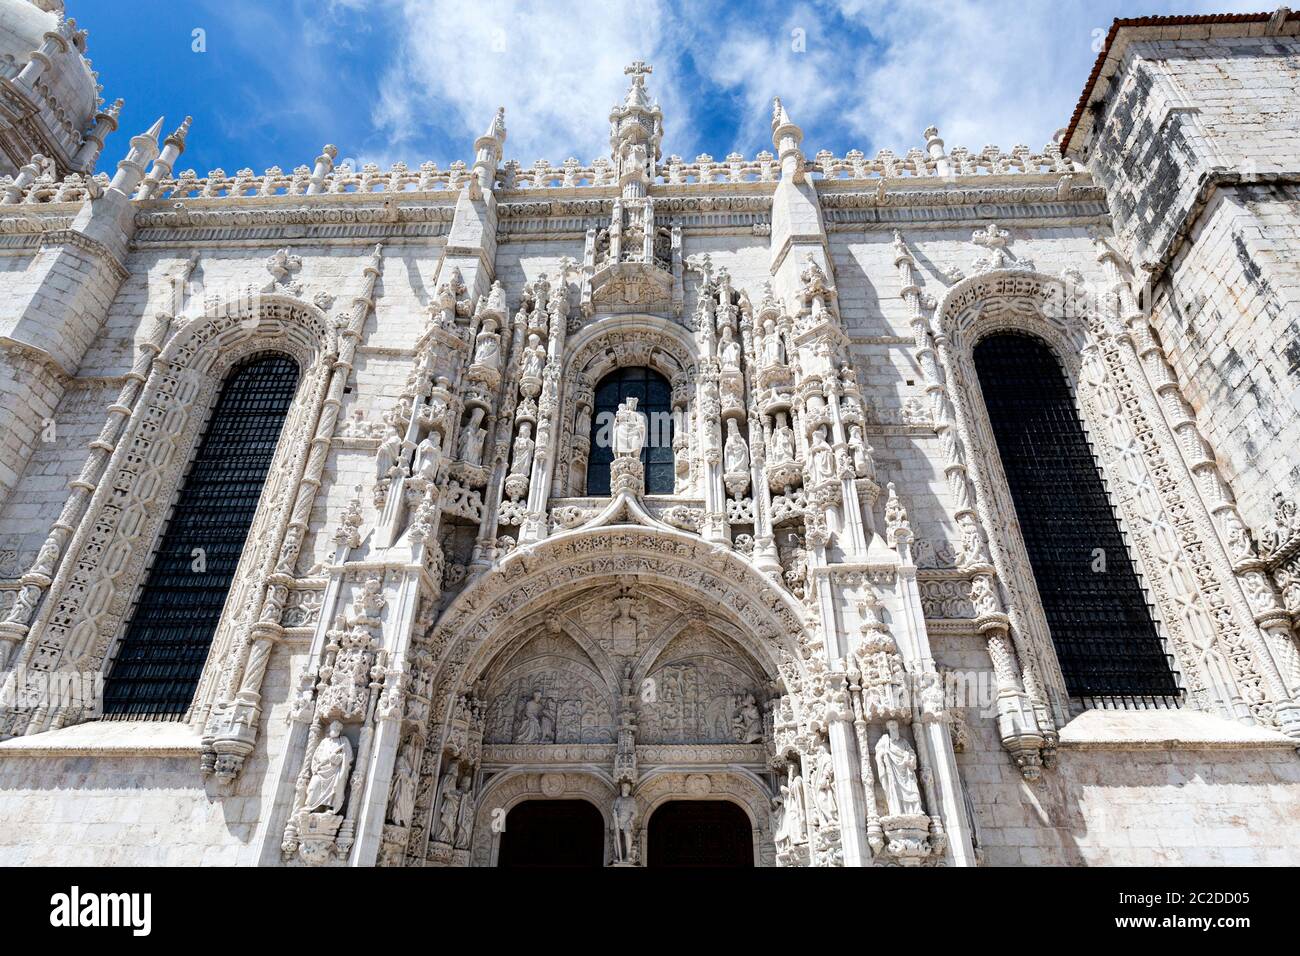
<point x="553" y="645"/>
<point x="1198" y="606"/>
<point x="602" y="348"/>
<point x="103" y="564"/>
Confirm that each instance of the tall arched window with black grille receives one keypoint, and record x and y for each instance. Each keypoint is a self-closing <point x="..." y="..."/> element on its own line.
<point x="1106" y="641"/>
<point x="654" y="399"/>
<point x="162" y="653"/>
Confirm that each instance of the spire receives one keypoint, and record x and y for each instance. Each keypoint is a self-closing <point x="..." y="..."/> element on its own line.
<point x="182" y="131"/>
<point x="144" y="149"/>
<point x="786" y="137"/>
<point x="636" y="129"/>
<point x="173" y="146"/>
<point x="488" y="150"/>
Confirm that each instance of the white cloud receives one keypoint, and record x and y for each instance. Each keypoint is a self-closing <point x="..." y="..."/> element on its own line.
<point x="555" y="67"/>
<point x="853" y="73"/>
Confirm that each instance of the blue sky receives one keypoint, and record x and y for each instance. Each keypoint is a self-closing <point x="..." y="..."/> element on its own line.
<point x="411" y="80"/>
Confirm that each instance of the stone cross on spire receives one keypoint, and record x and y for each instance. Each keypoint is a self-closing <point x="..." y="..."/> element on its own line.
<point x="638" y="71"/>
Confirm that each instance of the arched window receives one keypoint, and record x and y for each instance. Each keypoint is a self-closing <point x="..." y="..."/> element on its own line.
<point x="1100" y="621"/>
<point x="161" y="656"/>
<point x="654" y="398"/>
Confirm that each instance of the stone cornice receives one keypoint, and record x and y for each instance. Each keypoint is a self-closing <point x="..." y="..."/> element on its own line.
<point x="93" y="247"/>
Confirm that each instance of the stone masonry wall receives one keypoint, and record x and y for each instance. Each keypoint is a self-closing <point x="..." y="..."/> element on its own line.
<point x="1197" y="147"/>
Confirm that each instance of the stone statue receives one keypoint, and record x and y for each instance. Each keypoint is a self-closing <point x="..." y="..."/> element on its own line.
<point x="465" y="812"/>
<point x="821" y="457"/>
<point x="625" y="825"/>
<point x="402" y="802"/>
<point x="629" y="430"/>
<point x="472" y="438"/>
<point x="522" y="462"/>
<point x="795" y="820"/>
<point x="736" y="453"/>
<point x="782" y="444"/>
<point x="448" y="810"/>
<point x="496" y="300"/>
<point x="748" y="721"/>
<point x="863" y="467"/>
<point x="536" y="726"/>
<point x="389" y="453"/>
<point x="896" y="764"/>
<point x="729" y="351"/>
<point x="582" y="421"/>
<point x="330" y="762"/>
<point x="779" y="836"/>
<point x="823" y="787"/>
<point x="429" y="456"/>
<point x="487" y="347"/>
<point x="773" y="348"/>
<point x="534" y="357"/>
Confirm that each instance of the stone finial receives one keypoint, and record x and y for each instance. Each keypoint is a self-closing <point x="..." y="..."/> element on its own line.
<point x="182" y="131"/>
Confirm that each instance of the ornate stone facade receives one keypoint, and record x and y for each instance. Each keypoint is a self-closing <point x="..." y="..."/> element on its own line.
<point x="825" y="615"/>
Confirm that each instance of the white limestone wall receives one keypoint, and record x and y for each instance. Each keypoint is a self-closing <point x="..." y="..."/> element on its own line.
<point x="884" y="350"/>
<point x="130" y="793"/>
<point x="1131" y="788"/>
<point x="1227" y="316"/>
<point x="1192" y="118"/>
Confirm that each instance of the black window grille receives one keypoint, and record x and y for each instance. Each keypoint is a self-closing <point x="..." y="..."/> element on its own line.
<point x="654" y="400"/>
<point x="161" y="656"/>
<point x="1106" y="641"/>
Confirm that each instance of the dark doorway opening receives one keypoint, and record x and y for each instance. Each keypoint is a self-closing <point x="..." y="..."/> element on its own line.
<point x="553" y="833"/>
<point x="700" y="833"/>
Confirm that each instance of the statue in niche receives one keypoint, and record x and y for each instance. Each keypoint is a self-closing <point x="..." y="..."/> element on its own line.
<point x="536" y="726"/>
<point x="823" y="787"/>
<point x="487" y="347"/>
<point x="465" y="812"/>
<point x="629" y="430"/>
<point x="582" y="421"/>
<point x="736" y="453"/>
<point x="773" y="347"/>
<point x="625" y="824"/>
<point x="729" y="351"/>
<point x="522" y="462"/>
<point x="534" y="357"/>
<point x="748" y="722"/>
<point x="862" y="464"/>
<point x="472" y="438"/>
<point x="794" y="822"/>
<point x="779" y="836"/>
<point x="402" y="804"/>
<point x="429" y="456"/>
<point x="448" y="809"/>
<point x="896" y="764"/>
<point x="782" y="444"/>
<point x="330" y="762"/>
<point x="821" y="457"/>
<point x="389" y="453"/>
<point x="496" y="300"/>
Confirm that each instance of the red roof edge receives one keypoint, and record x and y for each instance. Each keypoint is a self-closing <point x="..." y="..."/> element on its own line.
<point x="1131" y="22"/>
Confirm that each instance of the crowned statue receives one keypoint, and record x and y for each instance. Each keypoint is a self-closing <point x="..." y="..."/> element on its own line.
<point x="629" y="430"/>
